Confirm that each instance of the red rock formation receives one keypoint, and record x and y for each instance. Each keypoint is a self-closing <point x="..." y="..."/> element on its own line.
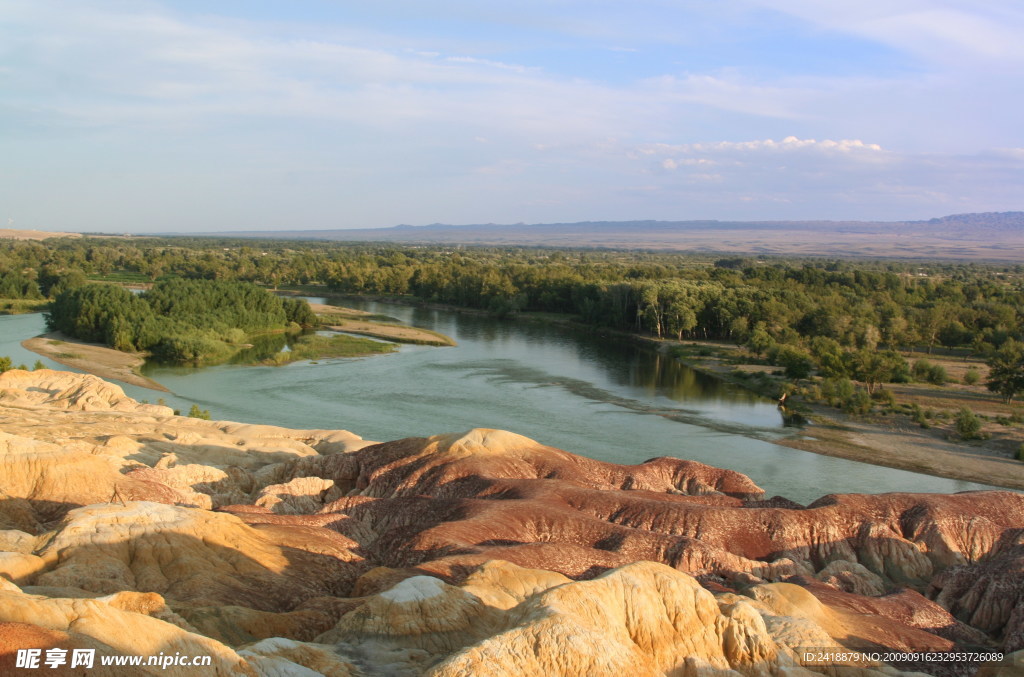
<point x="988" y="595"/>
<point x="324" y="530"/>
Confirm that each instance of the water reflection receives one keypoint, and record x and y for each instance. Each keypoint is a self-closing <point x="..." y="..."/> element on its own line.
<point x="588" y="394"/>
<point x="623" y="361"/>
<point x="264" y="347"/>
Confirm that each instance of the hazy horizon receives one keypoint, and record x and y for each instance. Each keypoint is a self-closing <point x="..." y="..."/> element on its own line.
<point x="178" y="116"/>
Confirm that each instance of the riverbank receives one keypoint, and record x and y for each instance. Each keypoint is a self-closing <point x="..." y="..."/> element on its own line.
<point x="888" y="439"/>
<point x="885" y="440"/>
<point x="895" y="444"/>
<point x="95" y="359"/>
<point x="125" y="366"/>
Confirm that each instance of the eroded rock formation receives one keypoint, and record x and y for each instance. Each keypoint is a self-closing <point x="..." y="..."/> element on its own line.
<point x="126" y="529"/>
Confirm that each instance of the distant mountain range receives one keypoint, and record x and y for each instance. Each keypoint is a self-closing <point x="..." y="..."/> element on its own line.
<point x="993" y="235"/>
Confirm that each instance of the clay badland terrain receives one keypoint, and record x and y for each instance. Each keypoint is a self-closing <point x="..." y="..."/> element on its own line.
<point x="127" y="529"/>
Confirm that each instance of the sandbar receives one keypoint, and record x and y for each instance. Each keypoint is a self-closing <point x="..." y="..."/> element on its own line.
<point x="352" y="321"/>
<point x="93" y="358"/>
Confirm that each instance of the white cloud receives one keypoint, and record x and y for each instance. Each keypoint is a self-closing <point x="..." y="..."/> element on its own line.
<point x="808" y="178"/>
<point x="387" y="129"/>
<point x="757" y="152"/>
<point x="945" y="31"/>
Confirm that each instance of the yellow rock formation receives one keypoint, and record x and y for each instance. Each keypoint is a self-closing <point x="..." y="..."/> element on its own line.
<point x="126" y="529"/>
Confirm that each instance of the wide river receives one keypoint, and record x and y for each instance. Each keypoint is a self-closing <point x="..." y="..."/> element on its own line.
<point x="596" y="396"/>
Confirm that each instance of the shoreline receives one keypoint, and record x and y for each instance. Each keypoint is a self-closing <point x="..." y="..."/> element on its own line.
<point x="829" y="432"/>
<point x="891" y="443"/>
<point x="92" y="358"/>
<point x="906" y="450"/>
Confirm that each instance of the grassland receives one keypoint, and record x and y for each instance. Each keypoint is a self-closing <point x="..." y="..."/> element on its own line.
<point x="315" y="347"/>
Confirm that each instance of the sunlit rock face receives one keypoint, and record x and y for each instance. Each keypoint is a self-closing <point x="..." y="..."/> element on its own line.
<point x="126" y="529"/>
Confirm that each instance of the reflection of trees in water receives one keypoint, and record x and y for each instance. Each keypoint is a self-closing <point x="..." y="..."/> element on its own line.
<point x="263" y="347"/>
<point x="623" y="361"/>
<point x="663" y="374"/>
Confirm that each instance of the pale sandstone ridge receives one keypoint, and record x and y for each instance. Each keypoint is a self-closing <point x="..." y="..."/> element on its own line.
<point x="124" y="528"/>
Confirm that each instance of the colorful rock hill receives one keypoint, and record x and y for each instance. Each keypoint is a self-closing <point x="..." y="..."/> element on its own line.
<point x="129" y="530"/>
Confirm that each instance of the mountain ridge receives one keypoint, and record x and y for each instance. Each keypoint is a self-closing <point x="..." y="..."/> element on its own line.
<point x="987" y="235"/>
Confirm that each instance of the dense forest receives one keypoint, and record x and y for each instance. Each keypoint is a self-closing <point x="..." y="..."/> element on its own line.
<point x="178" y="320"/>
<point x="843" y="319"/>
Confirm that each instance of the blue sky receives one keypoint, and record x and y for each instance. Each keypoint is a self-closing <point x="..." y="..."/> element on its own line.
<point x="130" y="115"/>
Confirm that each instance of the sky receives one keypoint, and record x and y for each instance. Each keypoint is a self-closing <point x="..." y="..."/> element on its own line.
<point x="145" y="116"/>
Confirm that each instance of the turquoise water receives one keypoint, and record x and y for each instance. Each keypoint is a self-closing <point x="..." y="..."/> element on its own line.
<point x="588" y="394"/>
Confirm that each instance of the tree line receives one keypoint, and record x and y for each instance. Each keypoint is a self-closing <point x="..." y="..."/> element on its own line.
<point x="839" y="317"/>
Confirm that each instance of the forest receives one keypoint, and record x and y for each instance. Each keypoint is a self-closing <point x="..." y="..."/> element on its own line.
<point x="842" y="319"/>
<point x="179" y="321"/>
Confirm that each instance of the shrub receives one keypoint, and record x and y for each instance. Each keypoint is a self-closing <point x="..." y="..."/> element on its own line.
<point x="972" y="377"/>
<point x="196" y="412"/>
<point x="923" y="370"/>
<point x="920" y="369"/>
<point x="884" y="396"/>
<point x="234" y="335"/>
<point x="858" y="404"/>
<point x="837" y="391"/>
<point x="918" y="416"/>
<point x="193" y="349"/>
<point x="937" y="375"/>
<point x="968" y="425"/>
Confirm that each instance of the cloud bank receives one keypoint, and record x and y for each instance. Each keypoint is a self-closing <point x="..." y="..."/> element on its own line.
<point x="161" y="116"/>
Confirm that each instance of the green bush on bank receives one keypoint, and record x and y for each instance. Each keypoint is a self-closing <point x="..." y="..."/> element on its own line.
<point x="923" y="370"/>
<point x="968" y="425"/>
<point x="314" y="347"/>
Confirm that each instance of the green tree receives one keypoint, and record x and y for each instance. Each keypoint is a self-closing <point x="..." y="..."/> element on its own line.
<point x="5" y="364"/>
<point x="828" y="355"/>
<point x="760" y="341"/>
<point x="796" y="362"/>
<point x="1006" y="370"/>
<point x="874" y="368"/>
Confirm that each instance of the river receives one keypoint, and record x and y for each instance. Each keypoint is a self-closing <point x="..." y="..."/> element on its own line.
<point x="605" y="398"/>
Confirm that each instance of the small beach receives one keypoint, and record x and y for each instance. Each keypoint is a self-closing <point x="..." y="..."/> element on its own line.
<point x="92" y="358"/>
